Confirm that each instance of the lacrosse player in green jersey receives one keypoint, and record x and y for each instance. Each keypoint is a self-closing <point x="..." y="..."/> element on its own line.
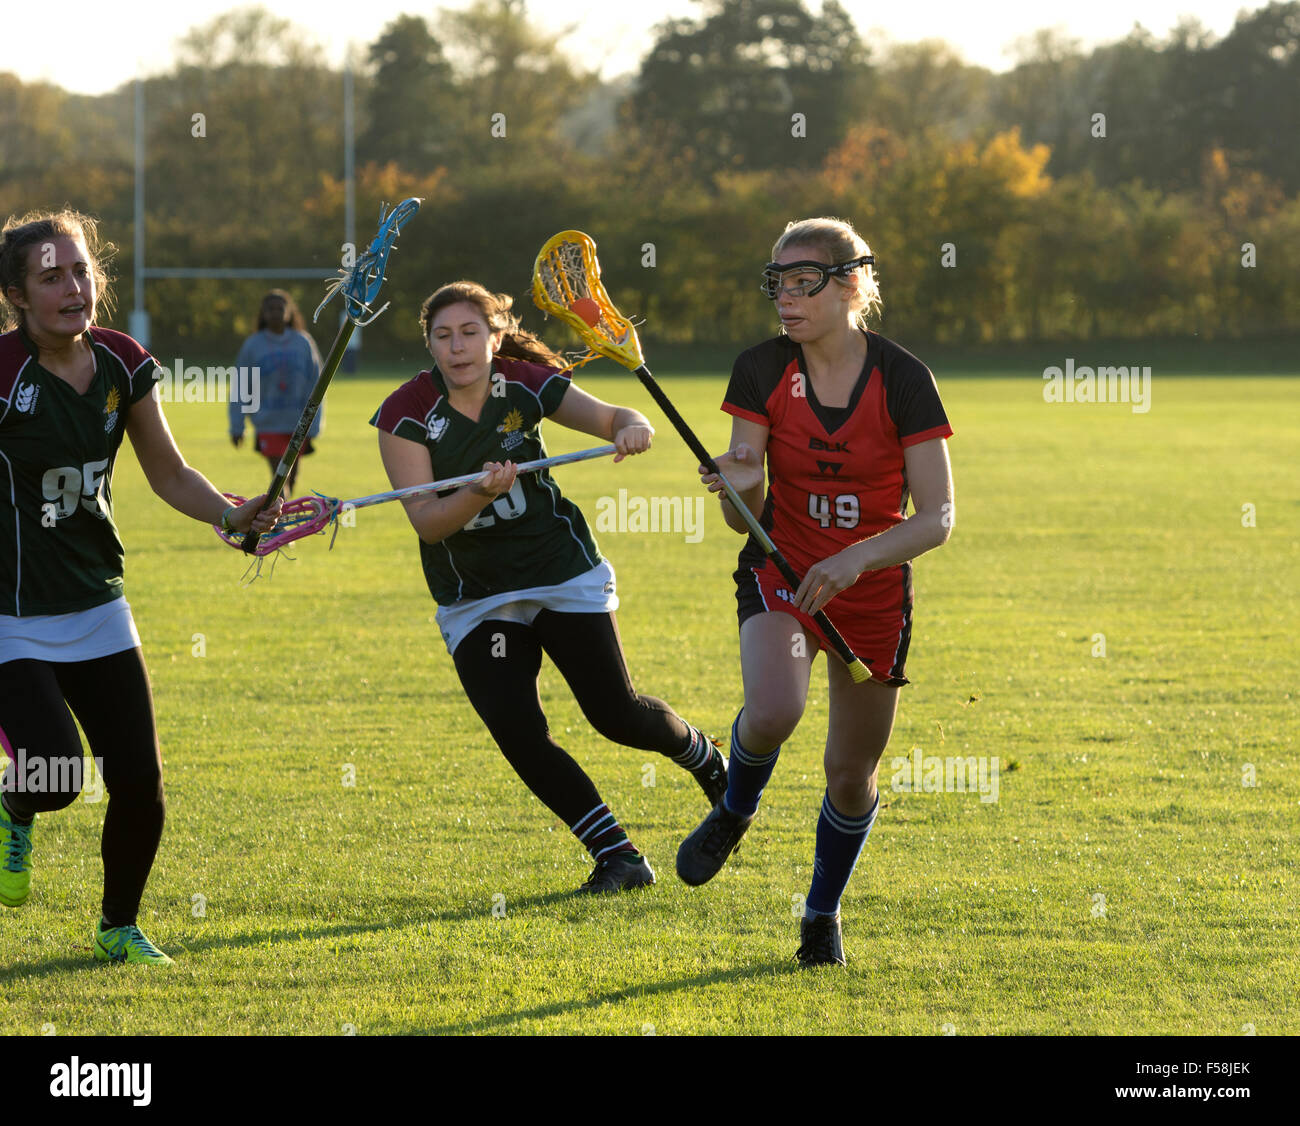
<point x="514" y="568"/>
<point x="69" y="393"/>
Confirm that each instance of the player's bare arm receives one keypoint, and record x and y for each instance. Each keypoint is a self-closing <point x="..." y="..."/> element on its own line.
<point x="743" y="465"/>
<point x="180" y="484"/>
<point x="929" y="476"/>
<point x="434" y="518"/>
<point x="629" y="430"/>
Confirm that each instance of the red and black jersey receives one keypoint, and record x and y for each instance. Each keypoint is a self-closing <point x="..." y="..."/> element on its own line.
<point x="835" y="475"/>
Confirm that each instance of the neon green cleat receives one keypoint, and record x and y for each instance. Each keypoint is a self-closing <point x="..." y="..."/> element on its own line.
<point x="15" y="861"/>
<point x="127" y="944"/>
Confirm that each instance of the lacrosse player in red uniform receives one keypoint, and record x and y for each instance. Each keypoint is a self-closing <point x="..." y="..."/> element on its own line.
<point x="851" y="427"/>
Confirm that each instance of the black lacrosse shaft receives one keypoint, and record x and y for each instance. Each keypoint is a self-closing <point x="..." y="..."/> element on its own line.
<point x="332" y="362"/>
<point x="765" y="541"/>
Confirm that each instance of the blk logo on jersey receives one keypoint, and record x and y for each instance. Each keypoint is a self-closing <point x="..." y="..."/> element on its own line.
<point x="828" y="447"/>
<point x="25" y="398"/>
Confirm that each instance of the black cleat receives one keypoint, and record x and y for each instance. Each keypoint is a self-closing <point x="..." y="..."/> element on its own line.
<point x="712" y="776"/>
<point x="705" y="851"/>
<point x="620" y="872"/>
<point x="823" y="944"/>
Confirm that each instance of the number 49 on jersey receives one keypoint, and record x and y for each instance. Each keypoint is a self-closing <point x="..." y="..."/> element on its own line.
<point x="845" y="513"/>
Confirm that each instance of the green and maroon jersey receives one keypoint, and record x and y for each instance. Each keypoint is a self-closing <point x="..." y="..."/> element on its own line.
<point x="59" y="549"/>
<point x="528" y="537"/>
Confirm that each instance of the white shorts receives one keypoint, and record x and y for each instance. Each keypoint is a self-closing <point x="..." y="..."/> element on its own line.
<point x="81" y="636"/>
<point x="592" y="592"/>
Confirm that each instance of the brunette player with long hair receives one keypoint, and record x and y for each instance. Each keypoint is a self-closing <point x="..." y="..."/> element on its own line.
<point x="851" y="427"/>
<point x="69" y="393"/>
<point x="513" y="566"/>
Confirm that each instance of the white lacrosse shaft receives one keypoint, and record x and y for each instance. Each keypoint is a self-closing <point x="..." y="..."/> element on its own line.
<point x="470" y="478"/>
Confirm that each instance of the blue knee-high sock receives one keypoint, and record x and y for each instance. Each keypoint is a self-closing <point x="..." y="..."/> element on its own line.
<point x="839" y="843"/>
<point x="747" y="774"/>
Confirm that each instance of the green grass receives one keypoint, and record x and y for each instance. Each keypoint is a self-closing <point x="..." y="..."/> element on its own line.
<point x="371" y="905"/>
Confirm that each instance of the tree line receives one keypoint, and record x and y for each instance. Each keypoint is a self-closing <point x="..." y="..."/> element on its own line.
<point x="1144" y="187"/>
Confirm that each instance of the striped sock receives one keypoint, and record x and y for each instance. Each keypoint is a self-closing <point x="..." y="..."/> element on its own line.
<point x="839" y="843"/>
<point x="747" y="774"/>
<point x="697" y="752"/>
<point x="601" y="834"/>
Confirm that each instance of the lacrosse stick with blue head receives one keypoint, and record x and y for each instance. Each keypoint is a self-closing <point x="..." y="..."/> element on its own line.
<point x="359" y="284"/>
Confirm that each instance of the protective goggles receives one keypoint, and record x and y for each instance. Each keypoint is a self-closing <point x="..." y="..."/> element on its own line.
<point x="807" y="286"/>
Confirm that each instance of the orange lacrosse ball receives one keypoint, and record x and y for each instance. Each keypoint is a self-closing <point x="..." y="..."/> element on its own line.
<point x="587" y="309"/>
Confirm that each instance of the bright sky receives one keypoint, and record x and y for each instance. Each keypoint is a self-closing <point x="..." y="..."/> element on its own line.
<point x="101" y="45"/>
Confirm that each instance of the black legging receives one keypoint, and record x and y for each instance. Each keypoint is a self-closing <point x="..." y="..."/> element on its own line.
<point x="110" y="697"/>
<point x="498" y="663"/>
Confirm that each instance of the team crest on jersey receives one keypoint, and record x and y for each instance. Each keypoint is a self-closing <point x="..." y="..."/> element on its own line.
<point x="25" y="398"/>
<point x="511" y="429"/>
<point x="110" y="409"/>
<point x="437" y="427"/>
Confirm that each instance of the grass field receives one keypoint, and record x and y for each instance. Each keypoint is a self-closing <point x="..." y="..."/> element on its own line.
<point x="1126" y="880"/>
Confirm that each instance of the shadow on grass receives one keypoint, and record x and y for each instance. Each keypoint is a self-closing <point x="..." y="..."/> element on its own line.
<point x="406" y="917"/>
<point x="48" y="967"/>
<point x="389" y="921"/>
<point x="615" y="996"/>
<point x="179" y="945"/>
